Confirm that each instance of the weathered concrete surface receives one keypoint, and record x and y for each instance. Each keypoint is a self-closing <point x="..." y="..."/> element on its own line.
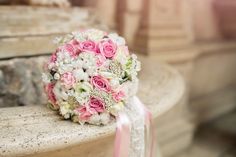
<point x="20" y="82"/>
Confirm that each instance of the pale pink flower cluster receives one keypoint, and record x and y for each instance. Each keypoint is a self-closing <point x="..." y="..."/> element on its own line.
<point x="89" y="74"/>
<point x="68" y="80"/>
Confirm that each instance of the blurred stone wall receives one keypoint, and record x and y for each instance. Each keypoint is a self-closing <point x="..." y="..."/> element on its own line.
<point x="200" y="20"/>
<point x="214" y="19"/>
<point x="225" y="10"/>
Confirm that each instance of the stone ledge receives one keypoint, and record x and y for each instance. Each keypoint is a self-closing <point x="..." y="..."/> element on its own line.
<point x="30" y="30"/>
<point x="214" y="104"/>
<point x="191" y="52"/>
<point x="36" y="130"/>
<point x="29" y="21"/>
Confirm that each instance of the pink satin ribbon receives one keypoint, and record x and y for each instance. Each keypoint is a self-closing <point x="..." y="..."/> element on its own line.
<point x="123" y="130"/>
<point x="122" y="140"/>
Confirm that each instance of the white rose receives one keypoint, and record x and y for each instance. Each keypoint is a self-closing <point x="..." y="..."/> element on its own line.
<point x="116" y="108"/>
<point x="65" y="110"/>
<point x="94" y="34"/>
<point x="77" y="64"/>
<point x="117" y="39"/>
<point x="121" y="56"/>
<point x="82" y="98"/>
<point x="114" y="82"/>
<point x="80" y="75"/>
<point x="60" y="92"/>
<point x="107" y="74"/>
<point x="80" y="36"/>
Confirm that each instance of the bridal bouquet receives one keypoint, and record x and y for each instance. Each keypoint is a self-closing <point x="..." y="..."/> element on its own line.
<point x="90" y="76"/>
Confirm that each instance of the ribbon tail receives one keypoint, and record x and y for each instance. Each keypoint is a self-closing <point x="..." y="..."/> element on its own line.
<point x="123" y="134"/>
<point x="150" y="137"/>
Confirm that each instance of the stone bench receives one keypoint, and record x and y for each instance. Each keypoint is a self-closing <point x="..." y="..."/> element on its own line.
<point x="37" y="131"/>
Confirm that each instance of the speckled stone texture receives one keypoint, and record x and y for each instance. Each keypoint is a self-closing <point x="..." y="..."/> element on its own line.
<point x="37" y="131"/>
<point x="20" y="82"/>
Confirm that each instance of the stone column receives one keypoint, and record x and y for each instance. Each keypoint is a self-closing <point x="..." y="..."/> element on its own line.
<point x="226" y="13"/>
<point x="128" y="18"/>
<point x="162" y="26"/>
<point x="206" y="27"/>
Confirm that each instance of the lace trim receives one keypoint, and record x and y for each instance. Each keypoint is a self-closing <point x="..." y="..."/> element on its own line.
<point x="137" y="143"/>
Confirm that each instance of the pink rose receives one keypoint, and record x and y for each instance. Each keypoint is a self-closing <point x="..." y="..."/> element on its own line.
<point x="72" y="48"/>
<point x="50" y="94"/>
<point x="85" y="112"/>
<point x="74" y="42"/>
<point x="53" y="57"/>
<point x="100" y="60"/>
<point x="107" y="48"/>
<point x="68" y="80"/>
<point x="97" y="104"/>
<point x="51" y="63"/>
<point x="100" y="83"/>
<point x="88" y="45"/>
<point x="118" y="96"/>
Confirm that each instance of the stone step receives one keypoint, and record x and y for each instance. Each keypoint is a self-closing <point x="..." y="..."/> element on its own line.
<point x="176" y="56"/>
<point x="155" y="45"/>
<point x="208" y="149"/>
<point x="37" y="131"/>
<point x="210" y="142"/>
<point x="213" y="47"/>
<point x="225" y="123"/>
<point x="162" y="33"/>
<point x="27" y="45"/>
<point x="23" y="20"/>
<point x="162" y="21"/>
<point x="27" y="31"/>
<point x="169" y="132"/>
<point x="177" y="145"/>
<point x="155" y="40"/>
<point x="214" y="105"/>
